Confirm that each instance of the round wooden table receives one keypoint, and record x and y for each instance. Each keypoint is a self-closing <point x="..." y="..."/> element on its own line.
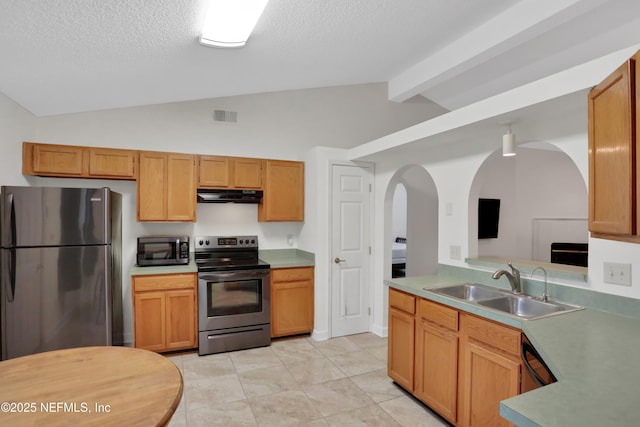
<point x="89" y="386"/>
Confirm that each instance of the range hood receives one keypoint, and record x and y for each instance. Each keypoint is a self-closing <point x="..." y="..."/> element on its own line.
<point x="207" y="195"/>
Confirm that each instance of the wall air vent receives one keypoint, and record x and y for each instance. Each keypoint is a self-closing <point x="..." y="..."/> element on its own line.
<point x="224" y="116"/>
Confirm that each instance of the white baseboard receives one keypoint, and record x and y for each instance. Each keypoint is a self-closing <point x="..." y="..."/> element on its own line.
<point x="320" y="335"/>
<point x="379" y="330"/>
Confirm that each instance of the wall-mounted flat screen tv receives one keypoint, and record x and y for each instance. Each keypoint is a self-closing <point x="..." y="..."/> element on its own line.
<point x="488" y="218"/>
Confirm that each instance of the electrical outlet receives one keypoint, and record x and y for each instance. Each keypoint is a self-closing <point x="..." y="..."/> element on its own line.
<point x="454" y="252"/>
<point x="617" y="274"/>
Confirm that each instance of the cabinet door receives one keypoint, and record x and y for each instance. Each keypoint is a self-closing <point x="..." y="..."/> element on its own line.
<point x="247" y="173"/>
<point x="283" y="198"/>
<point x="181" y="187"/>
<point x="291" y="308"/>
<point x="489" y="378"/>
<point x="214" y="171"/>
<point x="612" y="152"/>
<point x="57" y="160"/>
<point x="401" y="348"/>
<point x="149" y="320"/>
<point x="436" y="371"/>
<point x="180" y="319"/>
<point x="111" y="163"/>
<point x="152" y="187"/>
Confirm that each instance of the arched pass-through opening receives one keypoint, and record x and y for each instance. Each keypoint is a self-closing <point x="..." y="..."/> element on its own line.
<point x="421" y="221"/>
<point x="542" y="201"/>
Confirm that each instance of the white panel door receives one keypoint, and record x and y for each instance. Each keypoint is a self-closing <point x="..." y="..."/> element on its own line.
<point x="350" y="250"/>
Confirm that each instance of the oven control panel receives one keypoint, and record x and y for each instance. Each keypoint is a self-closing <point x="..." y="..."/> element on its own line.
<point x="212" y="242"/>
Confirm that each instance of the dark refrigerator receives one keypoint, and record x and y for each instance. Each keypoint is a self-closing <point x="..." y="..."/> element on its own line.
<point x="60" y="269"/>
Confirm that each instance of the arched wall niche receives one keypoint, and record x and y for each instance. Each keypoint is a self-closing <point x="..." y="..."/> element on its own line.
<point x="422" y="220"/>
<point x="543" y="197"/>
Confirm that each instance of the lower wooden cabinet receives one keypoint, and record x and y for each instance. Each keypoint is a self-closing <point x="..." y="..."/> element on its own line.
<point x="436" y="364"/>
<point x="459" y="364"/>
<point x="292" y="299"/>
<point x="489" y="378"/>
<point x="400" y="357"/>
<point x="490" y="369"/>
<point x="165" y="311"/>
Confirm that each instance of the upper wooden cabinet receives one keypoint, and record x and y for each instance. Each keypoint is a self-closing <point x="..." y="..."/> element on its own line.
<point x="78" y="161"/>
<point x="112" y="163"/>
<point x="613" y="155"/>
<point x="283" y="198"/>
<point x="167" y="182"/>
<point x="229" y="172"/>
<point x="166" y="187"/>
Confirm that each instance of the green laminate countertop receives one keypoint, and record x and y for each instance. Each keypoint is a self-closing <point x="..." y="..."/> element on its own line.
<point x="592" y="354"/>
<point x="286" y="258"/>
<point x="165" y="269"/>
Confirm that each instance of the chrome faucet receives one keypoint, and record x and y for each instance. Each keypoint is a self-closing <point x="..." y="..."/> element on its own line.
<point x="545" y="296"/>
<point x="513" y="277"/>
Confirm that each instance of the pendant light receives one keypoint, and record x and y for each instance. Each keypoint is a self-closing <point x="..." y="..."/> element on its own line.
<point x="508" y="144"/>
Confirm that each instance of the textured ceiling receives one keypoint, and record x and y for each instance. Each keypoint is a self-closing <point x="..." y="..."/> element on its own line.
<point x="64" y="56"/>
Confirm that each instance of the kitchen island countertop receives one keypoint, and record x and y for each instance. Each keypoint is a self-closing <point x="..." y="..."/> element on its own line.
<point x="592" y="354"/>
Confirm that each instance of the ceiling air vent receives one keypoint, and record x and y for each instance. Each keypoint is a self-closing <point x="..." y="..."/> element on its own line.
<point x="224" y="116"/>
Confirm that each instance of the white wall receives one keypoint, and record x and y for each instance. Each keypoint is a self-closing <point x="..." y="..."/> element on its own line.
<point x="282" y="125"/>
<point x="453" y="167"/>
<point x="16" y="125"/>
<point x="399" y="212"/>
<point x="536" y="183"/>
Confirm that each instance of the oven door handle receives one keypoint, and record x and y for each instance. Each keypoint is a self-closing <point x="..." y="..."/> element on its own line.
<point x="234" y="274"/>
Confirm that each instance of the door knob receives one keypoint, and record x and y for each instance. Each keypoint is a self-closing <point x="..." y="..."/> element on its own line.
<point x="338" y="260"/>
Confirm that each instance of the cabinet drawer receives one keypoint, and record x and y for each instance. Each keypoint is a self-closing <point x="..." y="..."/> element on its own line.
<point x="291" y="274"/>
<point x="438" y="313"/>
<point x="493" y="334"/>
<point x="402" y="301"/>
<point x="164" y="281"/>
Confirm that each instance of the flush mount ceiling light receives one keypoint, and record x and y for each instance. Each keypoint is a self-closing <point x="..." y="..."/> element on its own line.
<point x="508" y="144"/>
<point x="229" y="23"/>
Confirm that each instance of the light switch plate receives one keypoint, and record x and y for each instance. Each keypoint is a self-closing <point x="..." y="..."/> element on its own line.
<point x="617" y="273"/>
<point x="454" y="252"/>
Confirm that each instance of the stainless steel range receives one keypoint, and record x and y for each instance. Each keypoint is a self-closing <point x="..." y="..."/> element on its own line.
<point x="233" y="294"/>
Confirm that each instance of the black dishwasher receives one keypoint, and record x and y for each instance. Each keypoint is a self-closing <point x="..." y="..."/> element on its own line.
<point x="539" y="371"/>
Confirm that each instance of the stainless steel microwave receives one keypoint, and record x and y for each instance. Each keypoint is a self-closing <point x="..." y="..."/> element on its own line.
<point x="163" y="250"/>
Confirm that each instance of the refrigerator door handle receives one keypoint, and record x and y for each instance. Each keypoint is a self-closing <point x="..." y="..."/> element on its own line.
<point x="11" y="283"/>
<point x="12" y="215"/>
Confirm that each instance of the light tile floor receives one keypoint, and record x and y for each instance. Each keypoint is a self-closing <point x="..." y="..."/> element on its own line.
<point x="297" y="382"/>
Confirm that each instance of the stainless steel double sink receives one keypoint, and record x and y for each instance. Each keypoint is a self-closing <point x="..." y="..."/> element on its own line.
<point x="520" y="305"/>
